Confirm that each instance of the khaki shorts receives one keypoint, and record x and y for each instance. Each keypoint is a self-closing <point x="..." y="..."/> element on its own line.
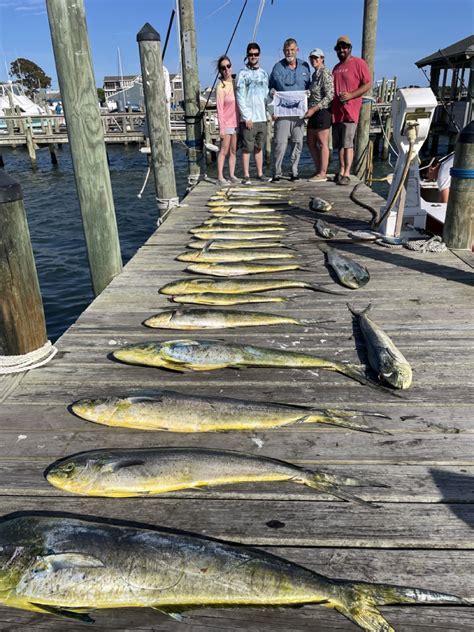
<point x="343" y="135"/>
<point x="253" y="139"/>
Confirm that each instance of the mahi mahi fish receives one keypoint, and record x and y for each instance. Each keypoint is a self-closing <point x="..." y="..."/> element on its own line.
<point x="244" y="229"/>
<point x="320" y="205"/>
<point x="384" y="357"/>
<point x="245" y="210"/>
<point x="178" y="412"/>
<point x="231" y="244"/>
<point x="125" y="472"/>
<point x="240" y="269"/>
<point x="212" y="298"/>
<point x="208" y="233"/>
<point x="349" y="272"/>
<point x="192" y="319"/>
<point x="238" y="286"/>
<point x="246" y="202"/>
<point x="67" y="566"/>
<point x="209" y="355"/>
<point x="213" y="256"/>
<point x="243" y="220"/>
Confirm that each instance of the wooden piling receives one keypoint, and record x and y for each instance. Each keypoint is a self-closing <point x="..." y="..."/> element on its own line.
<point x="368" y="53"/>
<point x="191" y="87"/>
<point x="81" y="110"/>
<point x="459" y="224"/>
<point x="157" y="112"/>
<point x="22" y="322"/>
<point x="30" y="144"/>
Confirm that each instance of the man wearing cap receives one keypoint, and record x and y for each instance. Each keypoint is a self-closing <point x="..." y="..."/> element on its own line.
<point x="352" y="79"/>
<point x="288" y="74"/>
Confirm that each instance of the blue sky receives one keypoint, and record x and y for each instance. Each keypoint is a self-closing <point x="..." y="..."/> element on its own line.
<point x="407" y="31"/>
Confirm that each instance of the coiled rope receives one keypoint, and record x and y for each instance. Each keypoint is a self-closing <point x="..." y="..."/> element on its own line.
<point x="27" y="361"/>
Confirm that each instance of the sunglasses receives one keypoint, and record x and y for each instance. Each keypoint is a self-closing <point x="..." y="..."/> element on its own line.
<point x="226" y="67"/>
<point x="253" y="54"/>
<point x="342" y="46"/>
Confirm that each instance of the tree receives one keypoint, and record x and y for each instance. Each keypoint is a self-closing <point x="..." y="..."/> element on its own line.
<point x="31" y="76"/>
<point x="101" y="95"/>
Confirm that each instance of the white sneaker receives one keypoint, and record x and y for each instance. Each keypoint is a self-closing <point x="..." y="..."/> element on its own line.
<point x="222" y="181"/>
<point x="246" y="180"/>
<point x="234" y="180"/>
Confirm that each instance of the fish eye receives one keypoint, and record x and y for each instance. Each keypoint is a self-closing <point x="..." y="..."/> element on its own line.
<point x="67" y="468"/>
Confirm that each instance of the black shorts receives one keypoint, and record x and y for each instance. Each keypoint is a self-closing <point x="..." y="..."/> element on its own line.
<point x="320" y="120"/>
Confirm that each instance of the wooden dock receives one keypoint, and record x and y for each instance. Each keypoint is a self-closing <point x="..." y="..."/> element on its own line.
<point x="422" y="534"/>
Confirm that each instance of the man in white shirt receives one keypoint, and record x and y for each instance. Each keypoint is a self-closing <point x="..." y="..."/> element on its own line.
<point x="439" y="170"/>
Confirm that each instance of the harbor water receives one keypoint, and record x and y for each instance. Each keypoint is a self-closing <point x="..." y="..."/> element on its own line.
<point x="55" y="224"/>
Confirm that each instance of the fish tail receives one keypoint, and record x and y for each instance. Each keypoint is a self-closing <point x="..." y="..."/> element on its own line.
<point x="359" y="600"/>
<point x="322" y="288"/>
<point x="354" y="372"/>
<point x="354" y="312"/>
<point x="334" y="487"/>
<point x="343" y="419"/>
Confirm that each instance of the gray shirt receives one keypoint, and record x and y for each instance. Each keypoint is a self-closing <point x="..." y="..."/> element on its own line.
<point x="321" y="88"/>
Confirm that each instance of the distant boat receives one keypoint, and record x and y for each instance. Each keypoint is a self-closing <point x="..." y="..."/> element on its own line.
<point x="15" y="92"/>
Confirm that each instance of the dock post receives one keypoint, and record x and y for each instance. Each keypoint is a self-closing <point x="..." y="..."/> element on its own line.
<point x="30" y="144"/>
<point x="368" y="53"/>
<point x="149" y="46"/>
<point x="67" y="23"/>
<point x="459" y="224"/>
<point x="22" y="322"/>
<point x="192" y="106"/>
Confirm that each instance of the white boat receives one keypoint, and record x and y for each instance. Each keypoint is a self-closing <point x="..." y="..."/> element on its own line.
<point x="14" y="92"/>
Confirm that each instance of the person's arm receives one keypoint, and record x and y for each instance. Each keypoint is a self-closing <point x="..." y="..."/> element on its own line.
<point x="364" y="86"/>
<point x="328" y="89"/>
<point x="220" y="96"/>
<point x="444" y="195"/>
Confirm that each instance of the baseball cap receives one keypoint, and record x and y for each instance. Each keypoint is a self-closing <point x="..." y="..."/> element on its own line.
<point x="316" y="52"/>
<point x="343" y="40"/>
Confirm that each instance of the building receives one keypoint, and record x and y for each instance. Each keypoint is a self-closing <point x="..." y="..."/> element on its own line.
<point x="452" y="81"/>
<point x="122" y="92"/>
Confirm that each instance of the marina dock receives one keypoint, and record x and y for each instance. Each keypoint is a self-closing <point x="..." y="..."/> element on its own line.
<point x="421" y="533"/>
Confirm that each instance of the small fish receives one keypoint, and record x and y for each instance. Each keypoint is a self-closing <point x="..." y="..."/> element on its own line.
<point x="172" y="411"/>
<point x="125" y="473"/>
<point x="240" y="269"/>
<point x="208" y="233"/>
<point x="320" y="205"/>
<point x="238" y="286"/>
<point x="210" y="298"/>
<point x="67" y="566"/>
<point x="323" y="229"/>
<point x="209" y="355"/>
<point x="242" y="229"/>
<point x="212" y="256"/>
<point x="259" y="189"/>
<point x="195" y="319"/>
<point x="349" y="272"/>
<point x="231" y="244"/>
<point x="384" y="357"/>
<point x="289" y="105"/>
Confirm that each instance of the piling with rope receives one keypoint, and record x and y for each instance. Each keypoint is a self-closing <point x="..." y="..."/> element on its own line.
<point x="459" y="223"/>
<point x="22" y="322"/>
<point x="162" y="164"/>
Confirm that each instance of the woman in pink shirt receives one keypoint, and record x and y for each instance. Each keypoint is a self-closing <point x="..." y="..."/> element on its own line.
<point x="228" y="118"/>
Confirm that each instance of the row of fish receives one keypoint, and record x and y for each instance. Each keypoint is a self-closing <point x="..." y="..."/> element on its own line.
<point x="41" y="557"/>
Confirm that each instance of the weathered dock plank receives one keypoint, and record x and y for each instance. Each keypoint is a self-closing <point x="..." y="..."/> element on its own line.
<point x="422" y="532"/>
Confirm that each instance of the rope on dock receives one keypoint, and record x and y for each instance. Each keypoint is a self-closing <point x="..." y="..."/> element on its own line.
<point x="27" y="361"/>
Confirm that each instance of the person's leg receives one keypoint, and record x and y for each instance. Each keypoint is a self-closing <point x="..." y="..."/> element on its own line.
<point x="337" y="144"/>
<point x="232" y="155"/>
<point x="225" y="144"/>
<point x="297" y="132"/>
<point x="322" y="138"/>
<point x="280" y="142"/>
<point x="311" y="136"/>
<point x="246" y="162"/>
<point x="348" y="158"/>
<point x="260" y="135"/>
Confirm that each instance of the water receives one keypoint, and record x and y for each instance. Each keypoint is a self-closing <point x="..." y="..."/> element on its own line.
<point x="55" y="224"/>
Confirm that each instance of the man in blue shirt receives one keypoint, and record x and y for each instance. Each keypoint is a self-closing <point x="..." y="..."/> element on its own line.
<point x="289" y="74"/>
